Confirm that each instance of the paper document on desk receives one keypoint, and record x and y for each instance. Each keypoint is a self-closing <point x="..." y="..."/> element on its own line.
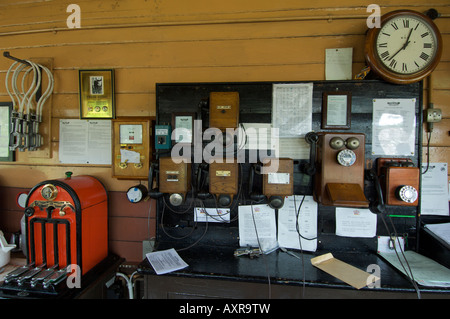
<point x="302" y="209"/>
<point x="166" y="261"/>
<point x="257" y="227"/>
<point x="426" y="272"/>
<point x="442" y="231"/>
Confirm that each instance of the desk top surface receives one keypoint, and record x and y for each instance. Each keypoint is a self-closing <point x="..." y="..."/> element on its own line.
<point x="219" y="263"/>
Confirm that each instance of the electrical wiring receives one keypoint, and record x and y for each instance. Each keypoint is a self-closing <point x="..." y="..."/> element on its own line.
<point x="262" y="252"/>
<point x="27" y="106"/>
<point x="8" y="90"/>
<point x="428" y="151"/>
<point x="408" y="273"/>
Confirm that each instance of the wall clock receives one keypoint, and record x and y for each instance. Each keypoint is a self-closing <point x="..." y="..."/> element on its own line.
<point x="405" y="49"/>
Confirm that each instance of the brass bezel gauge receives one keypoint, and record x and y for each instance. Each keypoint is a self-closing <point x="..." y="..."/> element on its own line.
<point x="405" y="49"/>
<point x="49" y="192"/>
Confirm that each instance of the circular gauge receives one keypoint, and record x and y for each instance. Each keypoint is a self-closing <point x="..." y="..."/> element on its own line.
<point x="136" y="193"/>
<point x="22" y="199"/>
<point x="49" y="192"/>
<point x="346" y="157"/>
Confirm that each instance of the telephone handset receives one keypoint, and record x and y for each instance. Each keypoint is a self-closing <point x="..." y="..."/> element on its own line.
<point x="152" y="173"/>
<point x="202" y="176"/>
<point x="310" y="168"/>
<point x="339" y="180"/>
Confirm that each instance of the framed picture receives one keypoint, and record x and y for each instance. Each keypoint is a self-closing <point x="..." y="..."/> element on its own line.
<point x="5" y="126"/>
<point x="336" y="110"/>
<point x="96" y="94"/>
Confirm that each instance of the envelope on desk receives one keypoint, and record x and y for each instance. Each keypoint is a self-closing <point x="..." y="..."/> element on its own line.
<point x="347" y="273"/>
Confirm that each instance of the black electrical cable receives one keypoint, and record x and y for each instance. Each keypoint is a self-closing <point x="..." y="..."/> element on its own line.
<point x="428" y="152"/>
<point x="410" y="273"/>
<point x="262" y="253"/>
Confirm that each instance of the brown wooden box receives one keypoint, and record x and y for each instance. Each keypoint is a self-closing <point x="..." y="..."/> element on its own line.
<point x="224" y="110"/>
<point x="174" y="177"/>
<point x="281" y="182"/>
<point x="396" y="177"/>
<point x="223" y="178"/>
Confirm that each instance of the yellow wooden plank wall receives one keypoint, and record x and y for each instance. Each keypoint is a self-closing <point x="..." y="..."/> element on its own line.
<point x="147" y="42"/>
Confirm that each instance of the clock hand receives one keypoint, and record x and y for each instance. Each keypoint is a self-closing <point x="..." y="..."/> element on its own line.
<point x="404" y="45"/>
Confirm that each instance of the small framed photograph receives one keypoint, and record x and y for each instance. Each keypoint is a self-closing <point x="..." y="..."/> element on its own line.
<point x="5" y="126"/>
<point x="96" y="94"/>
<point x="336" y="110"/>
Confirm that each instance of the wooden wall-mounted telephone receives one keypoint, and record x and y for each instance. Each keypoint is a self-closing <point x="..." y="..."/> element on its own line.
<point x="174" y="179"/>
<point x="339" y="180"/>
<point x="399" y="181"/>
<point x="280" y="183"/>
<point x="223" y="181"/>
<point x="224" y="110"/>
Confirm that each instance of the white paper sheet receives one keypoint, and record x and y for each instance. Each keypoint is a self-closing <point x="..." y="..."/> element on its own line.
<point x="127" y="156"/>
<point x="85" y="141"/>
<point x="434" y="192"/>
<point x="166" y="261"/>
<point x="338" y="64"/>
<point x="393" y="127"/>
<point x="355" y="222"/>
<point x="265" y="234"/>
<point x="212" y="215"/>
<point x="426" y="271"/>
<point x="292" y="109"/>
<point x="288" y="236"/>
<point x="440" y="230"/>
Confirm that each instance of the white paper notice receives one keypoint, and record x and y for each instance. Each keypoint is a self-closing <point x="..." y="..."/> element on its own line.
<point x="212" y="215"/>
<point x="166" y="261"/>
<point x="288" y="237"/>
<point x="265" y="233"/>
<point x="292" y="109"/>
<point x="355" y="222"/>
<point x="434" y="192"/>
<point x="393" y="127"/>
<point x="127" y="156"/>
<point x="85" y="141"/>
<point x="338" y="64"/>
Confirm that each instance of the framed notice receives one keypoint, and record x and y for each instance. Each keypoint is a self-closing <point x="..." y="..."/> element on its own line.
<point x="96" y="90"/>
<point x="5" y="121"/>
<point x="336" y="110"/>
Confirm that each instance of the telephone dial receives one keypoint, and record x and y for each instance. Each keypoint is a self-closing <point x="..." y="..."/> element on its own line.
<point x="339" y="168"/>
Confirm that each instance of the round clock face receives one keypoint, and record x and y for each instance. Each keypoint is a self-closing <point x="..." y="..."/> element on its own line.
<point x="406" y="44"/>
<point x="405" y="49"/>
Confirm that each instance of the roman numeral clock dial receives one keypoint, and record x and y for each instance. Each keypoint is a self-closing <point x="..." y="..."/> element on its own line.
<point x="405" y="49"/>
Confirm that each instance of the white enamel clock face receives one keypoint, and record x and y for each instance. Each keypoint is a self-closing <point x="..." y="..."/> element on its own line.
<point x="406" y="44"/>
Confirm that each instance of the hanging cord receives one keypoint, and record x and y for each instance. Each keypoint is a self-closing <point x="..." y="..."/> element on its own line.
<point x="262" y="252"/>
<point x="409" y="273"/>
